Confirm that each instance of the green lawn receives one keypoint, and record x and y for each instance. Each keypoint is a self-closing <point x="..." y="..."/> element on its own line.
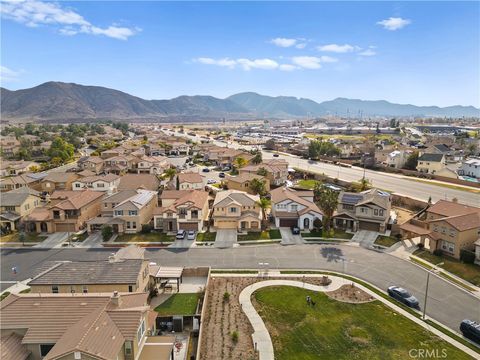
<point x="178" y="304"/>
<point x="206" y="236"/>
<point x="338" y="234"/>
<point x="386" y="240"/>
<point x="308" y="184"/>
<point x="150" y="237"/>
<point x="275" y="234"/>
<point x="260" y="235"/>
<point x="469" y="272"/>
<point x="336" y="330"/>
<point x="15" y="237"/>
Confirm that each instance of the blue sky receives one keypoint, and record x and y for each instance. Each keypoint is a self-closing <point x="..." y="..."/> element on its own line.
<point x="423" y="53"/>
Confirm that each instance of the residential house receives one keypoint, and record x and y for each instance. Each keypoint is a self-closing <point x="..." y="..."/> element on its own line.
<point x="431" y="163"/>
<point x="68" y="211"/>
<point x="190" y="181"/>
<point x="470" y="168"/>
<point x="234" y="209"/>
<point x="276" y="170"/>
<point x="152" y="165"/>
<point x="223" y="156"/>
<point x="294" y="208"/>
<point x="92" y="163"/>
<point x="152" y="149"/>
<point x="477" y="251"/>
<point x="181" y="210"/>
<point x="12" y="168"/>
<point x="85" y="173"/>
<point x="368" y="210"/>
<point x="32" y="180"/>
<point x="243" y="180"/>
<point x="108" y="183"/>
<point x="139" y="181"/>
<point x="9" y="145"/>
<point x="58" y="181"/>
<point x="107" y="154"/>
<point x="17" y="204"/>
<point x="120" y="164"/>
<point x="397" y="159"/>
<point x="443" y="149"/>
<point x="81" y="326"/>
<point x="129" y="214"/>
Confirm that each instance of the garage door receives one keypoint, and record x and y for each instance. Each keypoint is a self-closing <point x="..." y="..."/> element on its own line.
<point x="369" y="226"/>
<point x="225" y="224"/>
<point x="288" y="222"/>
<point x="64" y="227"/>
<point x="188" y="226"/>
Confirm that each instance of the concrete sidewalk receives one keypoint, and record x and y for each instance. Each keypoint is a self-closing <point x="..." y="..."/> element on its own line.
<point x="261" y="337"/>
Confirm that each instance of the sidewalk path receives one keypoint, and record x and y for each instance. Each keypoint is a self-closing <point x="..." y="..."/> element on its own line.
<point x="261" y="337"/>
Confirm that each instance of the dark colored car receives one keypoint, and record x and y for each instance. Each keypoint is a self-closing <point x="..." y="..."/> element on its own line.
<point x="181" y="234"/>
<point x="471" y="330"/>
<point x="221" y="175"/>
<point x="275" y="155"/>
<point x="206" y="170"/>
<point x="403" y="296"/>
<point x="295" y="230"/>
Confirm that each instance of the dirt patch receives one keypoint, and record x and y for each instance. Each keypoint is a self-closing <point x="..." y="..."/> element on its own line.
<point x="350" y="294"/>
<point x="223" y="317"/>
<point x="358" y="335"/>
<point x="403" y="215"/>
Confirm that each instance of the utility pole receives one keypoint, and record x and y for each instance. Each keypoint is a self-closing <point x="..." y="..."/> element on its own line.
<point x="426" y="295"/>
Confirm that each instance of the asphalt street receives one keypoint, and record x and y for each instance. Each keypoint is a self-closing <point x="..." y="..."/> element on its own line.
<point x="447" y="303"/>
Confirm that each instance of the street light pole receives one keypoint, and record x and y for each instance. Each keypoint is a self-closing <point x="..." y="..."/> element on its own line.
<point x="426" y="295"/>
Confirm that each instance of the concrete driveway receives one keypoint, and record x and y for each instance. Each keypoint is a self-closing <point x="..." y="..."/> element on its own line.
<point x="93" y="241"/>
<point x="182" y="244"/>
<point x="288" y="238"/>
<point x="54" y="240"/>
<point x="365" y="238"/>
<point x="225" y="238"/>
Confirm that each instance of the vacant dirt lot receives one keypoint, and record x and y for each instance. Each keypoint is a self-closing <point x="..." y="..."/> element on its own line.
<point x="350" y="294"/>
<point x="225" y="316"/>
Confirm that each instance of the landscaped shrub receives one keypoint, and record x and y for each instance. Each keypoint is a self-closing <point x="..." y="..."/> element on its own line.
<point x="467" y="256"/>
<point x="146" y="228"/>
<point x="234" y="336"/>
<point x="437" y="252"/>
<point x="226" y="296"/>
<point x="107" y="232"/>
<point x="421" y="246"/>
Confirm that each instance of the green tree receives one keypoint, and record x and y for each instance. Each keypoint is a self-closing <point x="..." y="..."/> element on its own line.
<point x="327" y="200"/>
<point x="264" y="204"/>
<point x="107" y="232"/>
<point x="258" y="187"/>
<point x="270" y="144"/>
<point x="412" y="161"/>
<point x="262" y="171"/>
<point x="317" y="148"/>
<point x="257" y="159"/>
<point x="61" y="149"/>
<point x="364" y="184"/>
<point x="170" y="173"/>
<point x="240" y="162"/>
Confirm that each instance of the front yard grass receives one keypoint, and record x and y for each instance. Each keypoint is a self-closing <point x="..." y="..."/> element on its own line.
<point x="178" y="304"/>
<point x="308" y="184"/>
<point x="149" y="237"/>
<point x="337" y="330"/>
<point x="206" y="236"/>
<point x="386" y="241"/>
<point x="260" y="235"/>
<point x="15" y="237"/>
<point x="469" y="272"/>
<point x="337" y="234"/>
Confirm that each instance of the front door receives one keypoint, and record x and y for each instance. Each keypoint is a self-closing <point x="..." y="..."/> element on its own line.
<point x="306" y="223"/>
<point x="243" y="224"/>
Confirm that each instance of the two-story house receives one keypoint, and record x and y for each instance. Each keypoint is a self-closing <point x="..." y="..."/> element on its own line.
<point x="9" y="145"/>
<point x="92" y="163"/>
<point x="275" y="170"/>
<point x="139" y="181"/>
<point x="68" y="211"/>
<point x="58" y="181"/>
<point x="31" y="180"/>
<point x="470" y="167"/>
<point x="431" y="163"/>
<point x="12" y="168"/>
<point x="17" y="204"/>
<point x="152" y="165"/>
<point x="130" y="214"/>
<point x="397" y="158"/>
<point x="181" y="210"/>
<point x="107" y="183"/>
<point x="243" y="180"/>
<point x="81" y="326"/>
<point x="368" y="210"/>
<point x="294" y="208"/>
<point x="190" y="181"/>
<point x="234" y="209"/>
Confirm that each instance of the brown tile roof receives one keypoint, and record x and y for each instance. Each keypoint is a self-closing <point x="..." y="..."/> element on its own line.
<point x="450" y="208"/>
<point x="79" y="199"/>
<point x="85" y="173"/>
<point x="284" y="193"/>
<point x="11" y="347"/>
<point x="224" y="198"/>
<point x="60" y="177"/>
<point x="94" y="178"/>
<point x="173" y="194"/>
<point x="462" y="222"/>
<point x="196" y="199"/>
<point x="39" y="214"/>
<point x="137" y="181"/>
<point x="245" y="176"/>
<point x="190" y="178"/>
<point x="17" y="197"/>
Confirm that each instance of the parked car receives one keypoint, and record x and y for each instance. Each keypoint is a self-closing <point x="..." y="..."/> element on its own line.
<point x="227" y="168"/>
<point x="206" y="170"/>
<point x="295" y="230"/>
<point x="181" y="234"/>
<point x="191" y="235"/>
<point x="275" y="155"/>
<point x="211" y="181"/>
<point x="221" y="175"/>
<point x="471" y="330"/>
<point x="403" y="296"/>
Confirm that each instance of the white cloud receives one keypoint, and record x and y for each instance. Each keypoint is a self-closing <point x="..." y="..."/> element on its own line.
<point x="34" y="13"/>
<point x="300" y="45"/>
<point x="394" y="23"/>
<point x="312" y="62"/>
<point x="337" y="48"/>
<point x="8" y="75"/>
<point x="368" y="52"/>
<point x="287" y="67"/>
<point x="226" y="62"/>
<point x="283" y="42"/>
<point x="248" y="64"/>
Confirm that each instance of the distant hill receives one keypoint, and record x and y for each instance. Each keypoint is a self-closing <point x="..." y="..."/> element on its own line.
<point x="65" y="101"/>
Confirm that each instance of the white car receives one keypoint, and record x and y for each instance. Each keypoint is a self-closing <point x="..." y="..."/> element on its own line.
<point x="211" y="181"/>
<point x="191" y="235"/>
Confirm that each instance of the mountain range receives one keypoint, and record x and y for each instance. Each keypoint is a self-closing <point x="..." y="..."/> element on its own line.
<point x="69" y="101"/>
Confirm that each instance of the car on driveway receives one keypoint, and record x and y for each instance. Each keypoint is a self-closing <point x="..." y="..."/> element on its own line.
<point x="275" y="155"/>
<point x="181" y="234"/>
<point x="206" y="170"/>
<point x="191" y="235"/>
<point x="471" y="330"/>
<point x="211" y="181"/>
<point x="227" y="168"/>
<point x="221" y="175"/>
<point x="403" y="296"/>
<point x="295" y="230"/>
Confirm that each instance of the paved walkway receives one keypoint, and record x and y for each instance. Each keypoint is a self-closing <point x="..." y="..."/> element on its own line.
<point x="54" y="240"/>
<point x="288" y="238"/>
<point x="226" y="238"/>
<point x="404" y="249"/>
<point x="365" y="238"/>
<point x="261" y="337"/>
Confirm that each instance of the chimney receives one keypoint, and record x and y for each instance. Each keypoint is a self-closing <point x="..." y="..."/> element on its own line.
<point x="115" y="299"/>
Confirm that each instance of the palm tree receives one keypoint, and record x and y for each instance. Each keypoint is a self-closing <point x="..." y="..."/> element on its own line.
<point x="364" y="184"/>
<point x="258" y="186"/>
<point x="170" y="173"/>
<point x="240" y="162"/>
<point x="264" y="204"/>
<point x="257" y="159"/>
<point x="327" y="200"/>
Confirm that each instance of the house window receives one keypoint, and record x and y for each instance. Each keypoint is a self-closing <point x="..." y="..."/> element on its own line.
<point x="130" y="288"/>
<point x="448" y="246"/>
<point x="381" y="212"/>
<point x="375" y="212"/>
<point x="85" y="289"/>
<point x="128" y="224"/>
<point x="194" y="214"/>
<point x="56" y="214"/>
<point x="294" y="207"/>
<point x="128" y="347"/>
<point x="105" y="205"/>
<point x="77" y="355"/>
<point x="45" y="349"/>
<point x="118" y="212"/>
<point x="233" y="210"/>
<point x="132" y="212"/>
<point x="72" y="289"/>
<point x="77" y="185"/>
<point x="363" y="210"/>
<point x="347" y="207"/>
<point x="54" y="289"/>
<point x="134" y="225"/>
<point x="100" y="185"/>
<point x="9" y="208"/>
<point x="182" y="211"/>
<point x="141" y="331"/>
